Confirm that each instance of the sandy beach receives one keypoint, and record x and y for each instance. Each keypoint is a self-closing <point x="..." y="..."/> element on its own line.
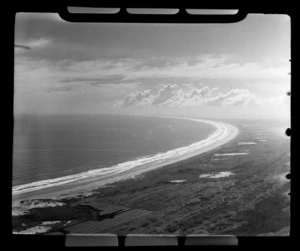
<point x="153" y="126"/>
<point x="87" y="181"/>
<point x="220" y="191"/>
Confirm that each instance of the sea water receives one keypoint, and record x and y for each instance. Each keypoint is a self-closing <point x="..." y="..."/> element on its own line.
<point x="53" y="146"/>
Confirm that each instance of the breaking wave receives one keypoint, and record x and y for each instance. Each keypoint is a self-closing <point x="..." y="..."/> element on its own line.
<point x="222" y="131"/>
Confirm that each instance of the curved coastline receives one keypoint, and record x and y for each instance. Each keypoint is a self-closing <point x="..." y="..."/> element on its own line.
<point x="93" y="179"/>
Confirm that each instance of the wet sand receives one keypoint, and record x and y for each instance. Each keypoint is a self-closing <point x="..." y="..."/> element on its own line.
<point x="252" y="200"/>
<point x="224" y="133"/>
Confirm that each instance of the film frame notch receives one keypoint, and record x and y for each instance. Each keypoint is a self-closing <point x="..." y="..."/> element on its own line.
<point x="119" y="14"/>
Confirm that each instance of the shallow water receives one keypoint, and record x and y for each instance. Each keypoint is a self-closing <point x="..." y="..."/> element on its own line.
<point x="53" y="147"/>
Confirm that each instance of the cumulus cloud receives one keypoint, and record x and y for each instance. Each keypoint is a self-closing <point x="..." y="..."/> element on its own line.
<point x="172" y="95"/>
<point x="115" y="83"/>
<point x="233" y="97"/>
<point x="138" y="98"/>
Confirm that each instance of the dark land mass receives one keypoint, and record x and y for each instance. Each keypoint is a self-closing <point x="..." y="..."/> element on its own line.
<point x="253" y="200"/>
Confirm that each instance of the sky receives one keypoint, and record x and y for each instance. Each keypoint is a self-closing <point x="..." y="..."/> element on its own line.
<point x="238" y="70"/>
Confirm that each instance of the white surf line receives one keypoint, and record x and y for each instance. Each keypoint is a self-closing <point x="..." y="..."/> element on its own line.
<point x="224" y="132"/>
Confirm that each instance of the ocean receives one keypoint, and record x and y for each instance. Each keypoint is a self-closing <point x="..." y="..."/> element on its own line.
<point x="245" y="175"/>
<point x="52" y="146"/>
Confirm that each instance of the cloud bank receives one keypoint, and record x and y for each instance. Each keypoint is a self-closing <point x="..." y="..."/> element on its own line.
<point x="172" y="95"/>
<point x="63" y="67"/>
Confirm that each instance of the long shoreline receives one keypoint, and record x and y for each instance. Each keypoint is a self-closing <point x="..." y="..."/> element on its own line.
<point x="96" y="178"/>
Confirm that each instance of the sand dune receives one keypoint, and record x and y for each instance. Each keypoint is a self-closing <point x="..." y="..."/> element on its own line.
<point x="246" y="143"/>
<point x="216" y="175"/>
<point x="230" y="154"/>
